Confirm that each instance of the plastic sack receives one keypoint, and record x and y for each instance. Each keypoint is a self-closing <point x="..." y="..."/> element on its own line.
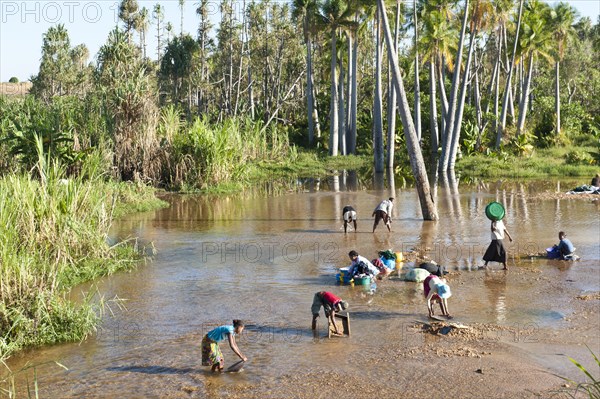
<point x="416" y="275"/>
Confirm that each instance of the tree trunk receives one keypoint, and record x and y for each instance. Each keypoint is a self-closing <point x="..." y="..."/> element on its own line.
<point x="443" y="101"/>
<point x="478" y="110"/>
<point x="341" y="111"/>
<point x="315" y="108"/>
<point x="525" y="98"/>
<point x="348" y="130"/>
<point x="417" y="164"/>
<point x="502" y="124"/>
<point x="417" y="109"/>
<point x="354" y="95"/>
<point x="435" y="138"/>
<point x="309" y="89"/>
<point x="447" y="140"/>
<point x="557" y="97"/>
<point x="392" y="107"/>
<point x="461" y="105"/>
<point x="333" y="109"/>
<point x="377" y="99"/>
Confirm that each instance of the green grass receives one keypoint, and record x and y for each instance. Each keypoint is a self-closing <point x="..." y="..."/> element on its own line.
<point x="54" y="236"/>
<point x="551" y="162"/>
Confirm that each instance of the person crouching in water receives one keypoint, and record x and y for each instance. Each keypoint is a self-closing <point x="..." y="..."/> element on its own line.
<point x="496" y="251"/>
<point x="349" y="215"/>
<point x="211" y="353"/>
<point x="565" y="246"/>
<point x="331" y="304"/>
<point x="437" y="290"/>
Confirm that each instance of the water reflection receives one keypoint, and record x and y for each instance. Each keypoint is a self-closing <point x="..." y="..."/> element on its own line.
<point x="378" y="181"/>
<point x="495" y="283"/>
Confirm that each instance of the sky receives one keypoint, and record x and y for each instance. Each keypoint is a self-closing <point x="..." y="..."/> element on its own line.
<point x="23" y="23"/>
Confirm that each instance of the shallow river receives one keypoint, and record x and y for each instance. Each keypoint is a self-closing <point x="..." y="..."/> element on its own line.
<point x="261" y="259"/>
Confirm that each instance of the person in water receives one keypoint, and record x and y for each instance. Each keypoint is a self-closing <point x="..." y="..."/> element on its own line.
<point x="349" y="215"/>
<point x="361" y="265"/>
<point x="496" y="251"/>
<point x="436" y="290"/>
<point x="211" y="353"/>
<point x="565" y="246"/>
<point x="384" y="212"/>
<point x="331" y="304"/>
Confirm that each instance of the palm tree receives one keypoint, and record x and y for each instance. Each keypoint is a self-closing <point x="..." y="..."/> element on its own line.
<point x="535" y="42"/>
<point x="507" y="92"/>
<point x="377" y="99"/>
<point x="417" y="110"/>
<point x="181" y="8"/>
<point x="447" y="137"/>
<point x="563" y="16"/>
<point x="481" y="10"/>
<point x="334" y="17"/>
<point x="438" y="38"/>
<point x="204" y="28"/>
<point x="141" y="25"/>
<point x="158" y="14"/>
<point x="128" y="10"/>
<point x="417" y="164"/>
<point x="307" y="10"/>
<point x="392" y="95"/>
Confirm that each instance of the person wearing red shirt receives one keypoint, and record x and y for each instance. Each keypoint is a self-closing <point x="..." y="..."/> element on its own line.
<point x="331" y="304"/>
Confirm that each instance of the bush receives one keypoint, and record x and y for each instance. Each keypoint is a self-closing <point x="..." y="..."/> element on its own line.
<point x="578" y="158"/>
<point x="13" y="80"/>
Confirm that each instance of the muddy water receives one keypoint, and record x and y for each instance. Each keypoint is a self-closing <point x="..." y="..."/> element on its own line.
<point x="262" y="258"/>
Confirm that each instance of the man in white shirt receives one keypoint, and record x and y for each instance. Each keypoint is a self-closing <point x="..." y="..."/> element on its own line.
<point x="384" y="211"/>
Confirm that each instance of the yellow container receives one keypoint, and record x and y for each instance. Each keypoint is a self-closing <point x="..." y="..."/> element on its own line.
<point x="399" y="257"/>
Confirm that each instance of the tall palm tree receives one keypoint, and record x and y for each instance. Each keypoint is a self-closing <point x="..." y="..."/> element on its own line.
<point x="453" y="102"/>
<point x="158" y="14"/>
<point x="334" y="16"/>
<point x="438" y="39"/>
<point x="417" y="110"/>
<point x="392" y="95"/>
<point x="141" y="24"/>
<point x="482" y="9"/>
<point x="181" y="8"/>
<point x="128" y="10"/>
<point x="377" y="99"/>
<point x="428" y="207"/>
<point x="535" y="42"/>
<point x="507" y="91"/>
<point x="562" y="20"/>
<point x="307" y="11"/>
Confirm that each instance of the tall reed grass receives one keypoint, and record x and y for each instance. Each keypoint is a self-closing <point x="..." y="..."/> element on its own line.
<point x="53" y="235"/>
<point x="205" y="154"/>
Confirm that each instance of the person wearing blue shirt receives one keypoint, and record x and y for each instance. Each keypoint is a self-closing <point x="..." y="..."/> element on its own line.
<point x="565" y="246"/>
<point x="211" y="353"/>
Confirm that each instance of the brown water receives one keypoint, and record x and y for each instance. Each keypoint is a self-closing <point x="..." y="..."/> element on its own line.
<point x="262" y="258"/>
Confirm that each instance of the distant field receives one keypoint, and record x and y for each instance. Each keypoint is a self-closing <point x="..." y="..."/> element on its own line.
<point x="15" y="89"/>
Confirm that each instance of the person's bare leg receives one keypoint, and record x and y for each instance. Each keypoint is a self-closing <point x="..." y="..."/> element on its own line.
<point x="355" y="229"/>
<point x="505" y="267"/>
<point x="345" y="226"/>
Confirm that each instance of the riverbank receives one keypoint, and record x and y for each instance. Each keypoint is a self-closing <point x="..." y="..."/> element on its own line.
<point x="54" y="236"/>
<point x="568" y="161"/>
<point x="542" y="164"/>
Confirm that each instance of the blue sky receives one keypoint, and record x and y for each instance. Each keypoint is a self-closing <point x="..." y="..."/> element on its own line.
<point x="23" y="22"/>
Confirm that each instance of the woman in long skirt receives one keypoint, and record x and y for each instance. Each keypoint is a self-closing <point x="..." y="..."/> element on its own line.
<point x="495" y="251"/>
<point x="211" y="353"/>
